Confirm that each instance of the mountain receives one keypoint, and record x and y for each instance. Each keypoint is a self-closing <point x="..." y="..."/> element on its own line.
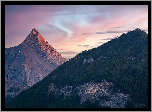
<point x="113" y="75"/>
<point x="28" y="63"/>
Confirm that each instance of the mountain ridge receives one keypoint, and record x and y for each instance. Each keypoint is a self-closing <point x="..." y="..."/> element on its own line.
<point x="113" y="75"/>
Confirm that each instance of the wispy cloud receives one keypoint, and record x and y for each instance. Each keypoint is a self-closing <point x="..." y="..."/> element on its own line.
<point x="60" y="49"/>
<point x="106" y="32"/>
<point x="83" y="45"/>
<point x="53" y="32"/>
<point x="79" y="45"/>
<point x="107" y="39"/>
<point x="118" y="27"/>
<point x="86" y="33"/>
<point x="99" y="42"/>
<point x="69" y="52"/>
<point x="86" y="46"/>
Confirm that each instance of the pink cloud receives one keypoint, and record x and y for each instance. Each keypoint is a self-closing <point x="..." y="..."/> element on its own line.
<point x="118" y="16"/>
<point x="71" y="20"/>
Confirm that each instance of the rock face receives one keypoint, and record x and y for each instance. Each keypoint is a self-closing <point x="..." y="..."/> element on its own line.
<point x="28" y="63"/>
<point x="94" y="92"/>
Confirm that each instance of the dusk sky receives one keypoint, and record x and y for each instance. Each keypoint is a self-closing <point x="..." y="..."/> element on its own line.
<point x="71" y="29"/>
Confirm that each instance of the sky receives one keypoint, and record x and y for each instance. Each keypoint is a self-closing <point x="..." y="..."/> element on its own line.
<point x="71" y="29"/>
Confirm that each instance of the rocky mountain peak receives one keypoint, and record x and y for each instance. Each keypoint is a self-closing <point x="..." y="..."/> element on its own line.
<point x="138" y="30"/>
<point x="37" y="43"/>
<point x="29" y="62"/>
<point x="34" y="31"/>
<point x="33" y="38"/>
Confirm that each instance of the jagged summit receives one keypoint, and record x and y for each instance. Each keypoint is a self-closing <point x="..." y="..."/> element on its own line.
<point x="138" y="30"/>
<point x="134" y="34"/>
<point x="33" y="37"/>
<point x="35" y="33"/>
<point x="34" y="30"/>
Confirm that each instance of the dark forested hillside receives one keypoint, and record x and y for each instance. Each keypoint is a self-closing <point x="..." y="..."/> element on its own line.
<point x="113" y="75"/>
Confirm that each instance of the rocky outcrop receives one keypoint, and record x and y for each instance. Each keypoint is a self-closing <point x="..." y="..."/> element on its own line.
<point x="102" y="93"/>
